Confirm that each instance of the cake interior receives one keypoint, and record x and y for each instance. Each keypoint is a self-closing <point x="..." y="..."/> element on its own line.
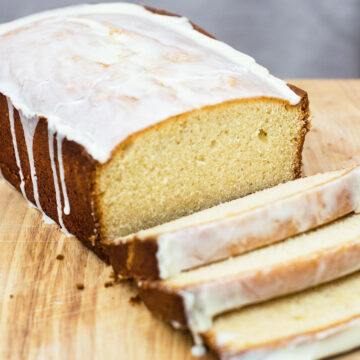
<point x="305" y="312"/>
<point x="245" y="204"/>
<point x="197" y="160"/>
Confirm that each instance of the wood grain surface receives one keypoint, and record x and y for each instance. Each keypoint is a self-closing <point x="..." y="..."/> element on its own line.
<point x="43" y="314"/>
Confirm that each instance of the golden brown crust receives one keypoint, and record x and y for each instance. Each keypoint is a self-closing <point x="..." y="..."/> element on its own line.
<point x="8" y="165"/>
<point x="164" y="12"/>
<point x="304" y="102"/>
<point x="134" y="258"/>
<point x="166" y="305"/>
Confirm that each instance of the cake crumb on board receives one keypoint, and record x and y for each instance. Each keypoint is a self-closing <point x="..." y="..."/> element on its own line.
<point x="135" y="300"/>
<point x="60" y="257"/>
<point x="80" y="286"/>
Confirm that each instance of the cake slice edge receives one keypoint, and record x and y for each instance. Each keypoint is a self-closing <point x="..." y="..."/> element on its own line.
<point x="195" y="297"/>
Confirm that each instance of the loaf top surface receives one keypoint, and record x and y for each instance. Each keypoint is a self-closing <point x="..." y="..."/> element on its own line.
<point x="100" y="73"/>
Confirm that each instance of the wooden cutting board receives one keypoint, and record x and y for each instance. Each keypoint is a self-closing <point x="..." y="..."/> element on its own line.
<point x="43" y="315"/>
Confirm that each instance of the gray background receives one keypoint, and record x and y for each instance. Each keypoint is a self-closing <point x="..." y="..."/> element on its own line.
<point x="293" y="38"/>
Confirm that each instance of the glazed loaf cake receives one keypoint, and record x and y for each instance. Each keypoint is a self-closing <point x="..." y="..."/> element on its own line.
<point x="116" y="118"/>
<point x="311" y="325"/>
<point x="236" y="227"/>
<point x="192" y="298"/>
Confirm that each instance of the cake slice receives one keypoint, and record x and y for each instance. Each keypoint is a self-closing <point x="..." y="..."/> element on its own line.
<point x="237" y="226"/>
<point x="116" y="118"/>
<point x="311" y="325"/>
<point x="194" y="297"/>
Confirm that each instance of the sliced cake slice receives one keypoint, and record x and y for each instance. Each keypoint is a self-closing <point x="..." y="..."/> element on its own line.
<point x="194" y="297"/>
<point x="311" y="325"/>
<point x="236" y="227"/>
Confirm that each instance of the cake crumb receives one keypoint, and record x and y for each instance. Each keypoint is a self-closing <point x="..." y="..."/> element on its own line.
<point x="11" y="296"/>
<point x="109" y="284"/>
<point x="80" y="286"/>
<point x="60" y="257"/>
<point x="116" y="278"/>
<point x="135" y="300"/>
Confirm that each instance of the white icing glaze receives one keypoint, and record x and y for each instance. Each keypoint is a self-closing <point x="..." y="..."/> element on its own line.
<point x="176" y="324"/>
<point x="323" y="343"/>
<point x="29" y="125"/>
<point x="123" y="65"/>
<point x="56" y="180"/>
<point x="223" y="338"/>
<point x="201" y="243"/>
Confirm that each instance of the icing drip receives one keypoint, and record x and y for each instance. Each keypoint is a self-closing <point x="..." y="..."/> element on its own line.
<point x="62" y="174"/>
<point x="16" y="150"/>
<point x="29" y="125"/>
<point x="56" y="180"/>
<point x="198" y="350"/>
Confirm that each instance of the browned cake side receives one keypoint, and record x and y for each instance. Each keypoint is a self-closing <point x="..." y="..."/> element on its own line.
<point x="79" y="171"/>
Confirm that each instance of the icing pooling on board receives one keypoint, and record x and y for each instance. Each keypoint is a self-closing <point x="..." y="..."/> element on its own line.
<point x="29" y="126"/>
<point x="100" y="73"/>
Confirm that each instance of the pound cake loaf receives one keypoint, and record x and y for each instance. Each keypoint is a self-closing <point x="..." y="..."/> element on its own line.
<point x="192" y="298"/>
<point x="315" y="324"/>
<point x="236" y="227"/>
<point x="116" y="118"/>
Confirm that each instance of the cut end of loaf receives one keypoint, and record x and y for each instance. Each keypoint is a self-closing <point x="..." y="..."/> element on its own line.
<point x="199" y="159"/>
